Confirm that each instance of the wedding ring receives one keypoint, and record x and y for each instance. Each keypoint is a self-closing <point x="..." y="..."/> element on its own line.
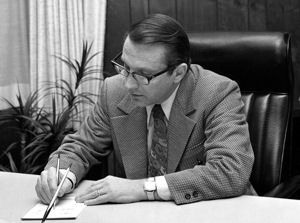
<point x="98" y="193"/>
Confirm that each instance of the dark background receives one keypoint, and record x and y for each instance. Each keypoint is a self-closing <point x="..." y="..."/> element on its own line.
<point x="208" y="15"/>
<point x="214" y="15"/>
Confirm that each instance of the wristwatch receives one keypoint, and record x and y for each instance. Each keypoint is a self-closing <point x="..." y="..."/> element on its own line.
<point x="150" y="188"/>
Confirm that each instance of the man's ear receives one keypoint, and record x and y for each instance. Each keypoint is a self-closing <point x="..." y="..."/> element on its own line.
<point x="180" y="72"/>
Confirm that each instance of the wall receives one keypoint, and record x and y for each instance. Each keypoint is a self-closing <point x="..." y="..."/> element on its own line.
<point x="208" y="15"/>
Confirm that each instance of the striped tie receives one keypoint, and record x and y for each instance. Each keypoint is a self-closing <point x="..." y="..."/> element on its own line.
<point x="159" y="148"/>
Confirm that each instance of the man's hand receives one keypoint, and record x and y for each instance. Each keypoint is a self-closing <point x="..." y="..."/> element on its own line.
<point x="47" y="184"/>
<point x="113" y="189"/>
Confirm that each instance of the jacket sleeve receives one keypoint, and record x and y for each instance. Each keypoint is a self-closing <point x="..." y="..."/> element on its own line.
<point x="227" y="152"/>
<point x="90" y="144"/>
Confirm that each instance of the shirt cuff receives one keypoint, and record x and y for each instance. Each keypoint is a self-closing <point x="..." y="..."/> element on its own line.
<point x="71" y="176"/>
<point x="162" y="188"/>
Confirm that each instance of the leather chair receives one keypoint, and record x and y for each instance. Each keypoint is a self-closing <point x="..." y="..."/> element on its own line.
<point x="261" y="64"/>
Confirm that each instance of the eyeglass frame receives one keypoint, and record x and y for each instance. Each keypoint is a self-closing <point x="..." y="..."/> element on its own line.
<point x="149" y="78"/>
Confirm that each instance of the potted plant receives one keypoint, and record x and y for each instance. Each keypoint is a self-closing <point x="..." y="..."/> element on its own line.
<point x="40" y="130"/>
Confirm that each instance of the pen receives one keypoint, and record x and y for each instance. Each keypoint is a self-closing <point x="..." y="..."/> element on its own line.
<point x="57" y="169"/>
<point x="55" y="195"/>
<point x="57" y="173"/>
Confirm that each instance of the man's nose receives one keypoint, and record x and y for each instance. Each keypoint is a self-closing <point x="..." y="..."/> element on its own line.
<point x="131" y="83"/>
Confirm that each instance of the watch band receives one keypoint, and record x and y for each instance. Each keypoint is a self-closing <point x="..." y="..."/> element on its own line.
<point x="150" y="188"/>
<point x="150" y="195"/>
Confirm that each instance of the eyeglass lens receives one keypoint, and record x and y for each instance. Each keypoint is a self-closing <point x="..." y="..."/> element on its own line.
<point x="139" y="78"/>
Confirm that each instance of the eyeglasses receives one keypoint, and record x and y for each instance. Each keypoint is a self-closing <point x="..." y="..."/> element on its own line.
<point x="140" y="78"/>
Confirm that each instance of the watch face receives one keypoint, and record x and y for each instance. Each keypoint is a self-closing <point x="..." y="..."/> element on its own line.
<point x="150" y="186"/>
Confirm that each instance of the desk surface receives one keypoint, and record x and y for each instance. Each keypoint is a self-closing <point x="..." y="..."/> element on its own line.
<point x="17" y="196"/>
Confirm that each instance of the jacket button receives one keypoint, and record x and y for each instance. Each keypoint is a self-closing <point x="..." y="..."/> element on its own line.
<point x="195" y="194"/>
<point x="187" y="196"/>
<point x="199" y="162"/>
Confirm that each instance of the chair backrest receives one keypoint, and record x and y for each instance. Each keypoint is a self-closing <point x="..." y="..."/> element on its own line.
<point x="260" y="63"/>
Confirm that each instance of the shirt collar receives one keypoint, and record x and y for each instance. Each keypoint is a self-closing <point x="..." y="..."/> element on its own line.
<point x="166" y="105"/>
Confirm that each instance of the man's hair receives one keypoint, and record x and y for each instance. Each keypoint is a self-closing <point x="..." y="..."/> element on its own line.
<point x="164" y="30"/>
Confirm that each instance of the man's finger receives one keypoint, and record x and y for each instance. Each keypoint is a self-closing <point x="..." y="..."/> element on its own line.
<point x="91" y="193"/>
<point x="97" y="183"/>
<point x="91" y="189"/>
<point x="52" y="181"/>
<point x="98" y="200"/>
<point x="38" y="191"/>
<point x="87" y="196"/>
<point x="45" y="191"/>
<point x="95" y="187"/>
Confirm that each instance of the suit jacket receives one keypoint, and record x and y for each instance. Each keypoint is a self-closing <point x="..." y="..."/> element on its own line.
<point x="209" y="150"/>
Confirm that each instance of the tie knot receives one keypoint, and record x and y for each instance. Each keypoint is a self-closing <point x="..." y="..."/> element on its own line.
<point x="157" y="112"/>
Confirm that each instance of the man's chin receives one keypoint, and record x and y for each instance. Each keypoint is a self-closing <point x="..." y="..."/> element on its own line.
<point x="140" y="104"/>
<point x="138" y="101"/>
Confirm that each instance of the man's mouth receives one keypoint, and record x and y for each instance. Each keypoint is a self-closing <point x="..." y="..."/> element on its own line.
<point x="136" y="95"/>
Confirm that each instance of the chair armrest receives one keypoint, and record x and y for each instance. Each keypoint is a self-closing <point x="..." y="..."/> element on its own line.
<point x="286" y="189"/>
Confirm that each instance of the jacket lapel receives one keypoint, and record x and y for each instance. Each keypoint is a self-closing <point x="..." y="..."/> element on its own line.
<point x="180" y="125"/>
<point x="131" y="132"/>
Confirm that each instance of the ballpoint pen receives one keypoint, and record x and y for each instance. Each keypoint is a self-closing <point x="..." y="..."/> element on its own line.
<point x="57" y="169"/>
<point x="57" y="173"/>
<point x="55" y="195"/>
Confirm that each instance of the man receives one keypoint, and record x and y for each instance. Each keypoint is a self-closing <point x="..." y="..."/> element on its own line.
<point x="178" y="131"/>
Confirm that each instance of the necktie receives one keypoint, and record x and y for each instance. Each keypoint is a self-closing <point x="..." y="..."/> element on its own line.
<point x="159" y="148"/>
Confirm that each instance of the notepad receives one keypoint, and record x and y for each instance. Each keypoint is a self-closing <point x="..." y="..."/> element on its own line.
<point x="66" y="208"/>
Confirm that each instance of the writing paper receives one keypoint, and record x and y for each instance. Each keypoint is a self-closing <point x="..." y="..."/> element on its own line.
<point x="66" y="208"/>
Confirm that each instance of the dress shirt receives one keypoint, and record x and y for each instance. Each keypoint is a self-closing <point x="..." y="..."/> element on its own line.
<point x="161" y="183"/>
<point x="71" y="176"/>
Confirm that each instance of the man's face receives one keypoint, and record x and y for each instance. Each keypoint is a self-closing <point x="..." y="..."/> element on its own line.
<point x="147" y="60"/>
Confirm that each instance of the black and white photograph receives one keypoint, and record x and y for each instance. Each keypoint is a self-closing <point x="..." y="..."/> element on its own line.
<point x="150" y="111"/>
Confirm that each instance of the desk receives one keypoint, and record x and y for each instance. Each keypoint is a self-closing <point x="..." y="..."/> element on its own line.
<point x="17" y="196"/>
